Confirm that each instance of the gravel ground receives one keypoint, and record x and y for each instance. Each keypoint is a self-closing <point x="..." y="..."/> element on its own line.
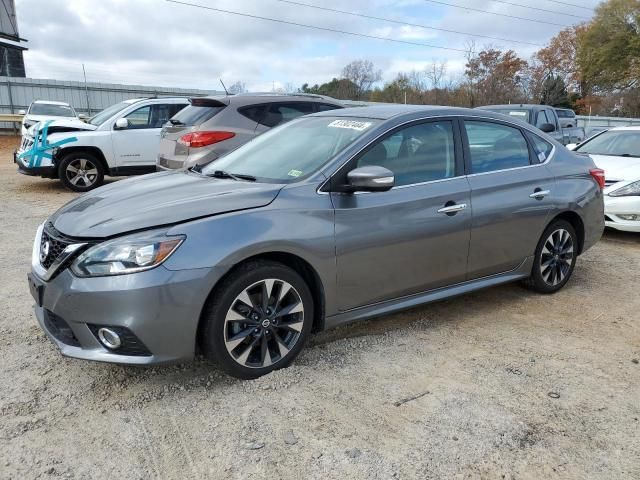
<point x="502" y="383"/>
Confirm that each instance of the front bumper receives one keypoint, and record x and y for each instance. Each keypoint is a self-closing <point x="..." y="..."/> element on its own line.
<point x="616" y="206"/>
<point x="160" y="307"/>
<point x="47" y="171"/>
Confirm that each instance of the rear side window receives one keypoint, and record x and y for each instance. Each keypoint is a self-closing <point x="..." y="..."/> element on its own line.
<point x="323" y="107"/>
<point x="494" y="146"/>
<point x="279" y="113"/>
<point x="253" y="112"/>
<point x="541" y="147"/>
<point x="195" y="115"/>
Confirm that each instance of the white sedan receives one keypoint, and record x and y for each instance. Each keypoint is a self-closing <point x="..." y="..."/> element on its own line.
<point x="617" y="152"/>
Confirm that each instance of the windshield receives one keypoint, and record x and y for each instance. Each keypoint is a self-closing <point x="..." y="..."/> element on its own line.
<point x="51" y="110"/>
<point x="614" y="142"/>
<point x="293" y="150"/>
<point x="107" y="113"/>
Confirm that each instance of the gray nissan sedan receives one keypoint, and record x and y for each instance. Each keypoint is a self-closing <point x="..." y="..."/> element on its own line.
<point x="333" y="217"/>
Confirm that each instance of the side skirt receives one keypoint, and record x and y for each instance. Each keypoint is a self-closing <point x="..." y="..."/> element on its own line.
<point x="402" y="303"/>
<point x="132" y="170"/>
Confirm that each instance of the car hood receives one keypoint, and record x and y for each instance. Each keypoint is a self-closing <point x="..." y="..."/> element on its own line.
<point x="155" y="200"/>
<point x="618" y="168"/>
<point x="70" y="125"/>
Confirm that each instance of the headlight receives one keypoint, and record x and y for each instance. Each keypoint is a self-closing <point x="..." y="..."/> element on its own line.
<point x="131" y="254"/>
<point x="627" y="190"/>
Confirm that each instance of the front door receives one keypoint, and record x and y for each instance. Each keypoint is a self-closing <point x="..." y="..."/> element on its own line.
<point x="137" y="145"/>
<point x="401" y="242"/>
<point x="511" y="196"/>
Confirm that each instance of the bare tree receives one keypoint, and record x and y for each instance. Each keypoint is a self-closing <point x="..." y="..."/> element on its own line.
<point x="363" y="75"/>
<point x="435" y="73"/>
<point x="237" y="87"/>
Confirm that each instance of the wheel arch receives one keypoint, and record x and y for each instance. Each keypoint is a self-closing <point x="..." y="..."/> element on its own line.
<point x="95" y="151"/>
<point x="299" y="265"/>
<point x="576" y="222"/>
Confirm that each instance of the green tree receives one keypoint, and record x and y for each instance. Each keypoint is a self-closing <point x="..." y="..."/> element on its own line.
<point x="554" y="92"/>
<point x="609" y="47"/>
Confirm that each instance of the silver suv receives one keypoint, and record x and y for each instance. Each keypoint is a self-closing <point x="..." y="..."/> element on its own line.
<point x="213" y="126"/>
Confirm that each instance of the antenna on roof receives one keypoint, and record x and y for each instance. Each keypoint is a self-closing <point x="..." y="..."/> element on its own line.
<point x="225" y="88"/>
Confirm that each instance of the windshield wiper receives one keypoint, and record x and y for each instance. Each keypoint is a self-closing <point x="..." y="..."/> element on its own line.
<point x="196" y="168"/>
<point x="626" y="155"/>
<point x="234" y="176"/>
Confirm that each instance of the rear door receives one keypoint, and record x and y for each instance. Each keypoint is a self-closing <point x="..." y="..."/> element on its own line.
<point x="511" y="195"/>
<point x="137" y="145"/>
<point x="401" y="242"/>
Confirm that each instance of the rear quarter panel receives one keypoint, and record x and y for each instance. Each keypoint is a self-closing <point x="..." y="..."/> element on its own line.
<point x="578" y="192"/>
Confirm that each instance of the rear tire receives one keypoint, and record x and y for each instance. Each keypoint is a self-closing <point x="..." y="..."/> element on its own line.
<point x="555" y="258"/>
<point x="257" y="320"/>
<point x="81" y="171"/>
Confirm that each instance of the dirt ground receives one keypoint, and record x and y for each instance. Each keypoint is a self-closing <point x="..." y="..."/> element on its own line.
<point x="502" y="383"/>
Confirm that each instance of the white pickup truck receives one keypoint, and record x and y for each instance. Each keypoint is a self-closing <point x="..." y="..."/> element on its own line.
<point x="122" y="139"/>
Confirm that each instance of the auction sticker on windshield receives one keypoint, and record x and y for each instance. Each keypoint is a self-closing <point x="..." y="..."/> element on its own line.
<point x="351" y="124"/>
<point x="294" y="173"/>
<point x="518" y="113"/>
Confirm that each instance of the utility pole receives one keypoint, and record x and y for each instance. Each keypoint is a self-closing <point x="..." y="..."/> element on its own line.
<point x="86" y="90"/>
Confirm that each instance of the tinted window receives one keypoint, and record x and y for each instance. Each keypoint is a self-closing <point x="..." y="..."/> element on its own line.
<point x="139" y="118"/>
<point x="161" y="113"/>
<point x="195" y="115"/>
<point x="495" y="147"/>
<point x="541" y="119"/>
<point x="542" y="147"/>
<point x="283" y="112"/>
<point x="420" y="153"/>
<point x="566" y="113"/>
<point x="323" y="107"/>
<point x="253" y="112"/>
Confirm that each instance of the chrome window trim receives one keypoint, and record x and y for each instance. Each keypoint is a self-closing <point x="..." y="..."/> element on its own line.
<point x="435" y="119"/>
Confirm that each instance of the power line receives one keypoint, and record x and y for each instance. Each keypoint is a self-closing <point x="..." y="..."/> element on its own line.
<point x="399" y="22"/>
<point x="315" y="27"/>
<point x="495" y="13"/>
<point x="555" y="12"/>
<point x="571" y="5"/>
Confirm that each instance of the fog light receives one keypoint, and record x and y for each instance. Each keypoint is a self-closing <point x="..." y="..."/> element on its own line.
<point x="630" y="218"/>
<point x="109" y="338"/>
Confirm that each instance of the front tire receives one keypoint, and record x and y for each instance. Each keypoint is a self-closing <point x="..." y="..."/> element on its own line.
<point x="555" y="258"/>
<point x="81" y="171"/>
<point x="257" y="320"/>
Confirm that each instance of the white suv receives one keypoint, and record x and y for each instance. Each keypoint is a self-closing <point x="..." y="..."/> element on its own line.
<point x="41" y="110"/>
<point x="122" y="139"/>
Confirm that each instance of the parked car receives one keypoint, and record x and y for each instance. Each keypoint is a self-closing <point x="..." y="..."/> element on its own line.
<point x="41" y="110"/>
<point x="567" y="117"/>
<point x="543" y="117"/>
<point x="617" y="151"/>
<point x="333" y="217"/>
<point x="212" y="126"/>
<point x="120" y="140"/>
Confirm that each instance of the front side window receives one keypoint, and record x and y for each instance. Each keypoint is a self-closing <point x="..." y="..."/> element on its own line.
<point x="494" y="146"/>
<point x="541" y="119"/>
<point x="107" y="113"/>
<point x="279" y="113"/>
<point x="294" y="150"/>
<point x="415" y="154"/>
<point x="623" y="143"/>
<point x="139" y="118"/>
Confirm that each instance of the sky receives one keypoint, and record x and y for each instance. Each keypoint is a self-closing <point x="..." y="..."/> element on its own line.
<point x="155" y="42"/>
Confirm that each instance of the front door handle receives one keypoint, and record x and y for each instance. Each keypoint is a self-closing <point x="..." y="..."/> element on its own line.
<point x="539" y="194"/>
<point x="452" y="208"/>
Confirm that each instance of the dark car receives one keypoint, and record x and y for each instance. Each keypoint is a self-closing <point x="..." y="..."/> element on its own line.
<point x="330" y="218"/>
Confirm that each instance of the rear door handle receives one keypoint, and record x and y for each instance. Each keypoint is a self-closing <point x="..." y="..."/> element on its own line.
<point x="539" y="194"/>
<point x="453" y="209"/>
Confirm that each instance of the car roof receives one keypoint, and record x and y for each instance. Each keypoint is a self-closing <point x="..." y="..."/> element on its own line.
<point x="514" y="105"/>
<point x="51" y="102"/>
<point x="385" y="112"/>
<point x="254" y="98"/>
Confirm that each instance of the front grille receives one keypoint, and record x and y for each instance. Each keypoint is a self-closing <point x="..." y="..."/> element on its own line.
<point x="131" y="345"/>
<point x="60" y="329"/>
<point x="51" y="246"/>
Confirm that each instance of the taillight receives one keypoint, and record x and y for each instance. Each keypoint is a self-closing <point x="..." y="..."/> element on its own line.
<point x="202" y="139"/>
<point x="598" y="176"/>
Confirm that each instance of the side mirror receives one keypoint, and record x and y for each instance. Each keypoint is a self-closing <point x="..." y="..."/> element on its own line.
<point x="370" y="179"/>
<point x="83" y="117"/>
<point x="547" y="127"/>
<point x="22" y="112"/>
<point x="571" y="146"/>
<point x="121" y="124"/>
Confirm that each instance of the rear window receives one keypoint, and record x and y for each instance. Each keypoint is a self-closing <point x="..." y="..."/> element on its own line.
<point x="195" y="115"/>
<point x="519" y="113"/>
<point x="566" y="113"/>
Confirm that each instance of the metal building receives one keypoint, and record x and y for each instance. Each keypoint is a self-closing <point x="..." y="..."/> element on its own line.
<point x="11" y="50"/>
